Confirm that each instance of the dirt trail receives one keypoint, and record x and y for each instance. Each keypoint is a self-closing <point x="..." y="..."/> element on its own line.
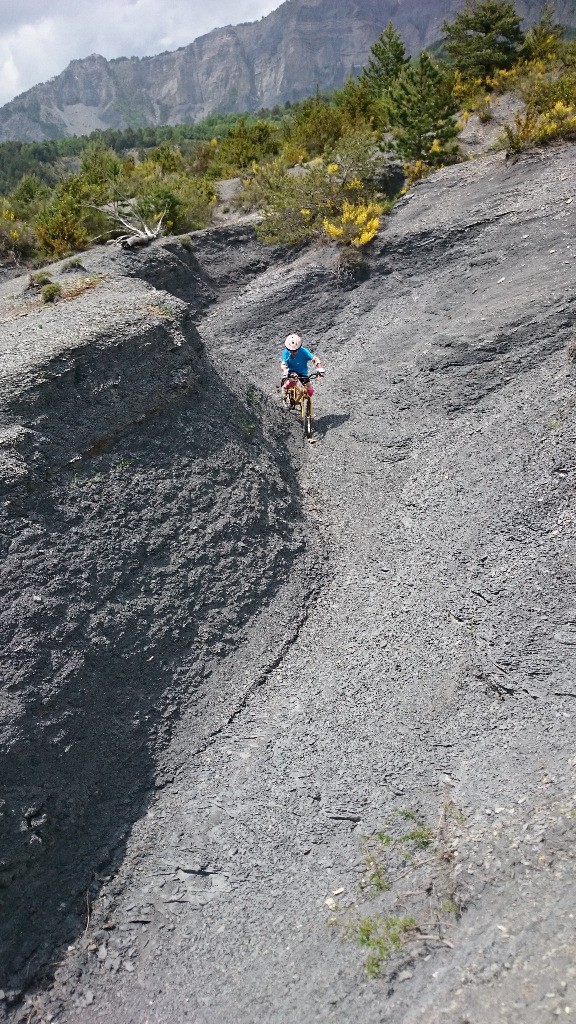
<point x="407" y="754"/>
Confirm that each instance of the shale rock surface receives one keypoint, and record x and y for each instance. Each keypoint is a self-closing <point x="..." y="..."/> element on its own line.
<point x="367" y="812"/>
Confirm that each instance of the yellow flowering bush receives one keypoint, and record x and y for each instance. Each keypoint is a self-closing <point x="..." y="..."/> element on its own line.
<point x="523" y="78"/>
<point x="466" y="91"/>
<point x="532" y="128"/>
<point x="16" y="237"/>
<point x="415" y="172"/>
<point x="472" y="97"/>
<point x="357" y="225"/>
<point x="332" y="197"/>
<point x="559" y="122"/>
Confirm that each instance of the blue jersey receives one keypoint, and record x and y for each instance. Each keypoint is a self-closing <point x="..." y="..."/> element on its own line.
<point x="297" y="361"/>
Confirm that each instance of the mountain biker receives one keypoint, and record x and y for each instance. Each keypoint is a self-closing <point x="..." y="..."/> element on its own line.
<point x="295" y="359"/>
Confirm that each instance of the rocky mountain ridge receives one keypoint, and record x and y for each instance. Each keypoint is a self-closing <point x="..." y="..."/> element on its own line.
<point x="284" y="56"/>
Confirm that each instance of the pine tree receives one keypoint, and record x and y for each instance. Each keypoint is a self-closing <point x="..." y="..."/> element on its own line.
<point x="483" y="37"/>
<point x="422" y="113"/>
<point x="388" y="57"/>
<point x="544" y="38"/>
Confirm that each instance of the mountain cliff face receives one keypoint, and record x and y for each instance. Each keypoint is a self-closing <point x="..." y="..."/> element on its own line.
<point x="304" y="43"/>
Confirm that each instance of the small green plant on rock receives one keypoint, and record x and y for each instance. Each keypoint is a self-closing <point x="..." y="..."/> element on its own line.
<point x="422" y="837"/>
<point x="39" y="279"/>
<point x="162" y="312"/>
<point x="375" y="876"/>
<point x="406" y="814"/>
<point x="449" y="907"/>
<point x="51" y="292"/>
<point x="405" y="847"/>
<point x="71" y="265"/>
<point x="246" y="425"/>
<point x="381" y="936"/>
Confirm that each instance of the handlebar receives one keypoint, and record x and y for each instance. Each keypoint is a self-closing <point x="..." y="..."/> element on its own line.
<point x="296" y="376"/>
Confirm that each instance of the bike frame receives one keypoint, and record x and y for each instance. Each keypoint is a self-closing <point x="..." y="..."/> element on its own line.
<point x="299" y="397"/>
<point x="298" y="394"/>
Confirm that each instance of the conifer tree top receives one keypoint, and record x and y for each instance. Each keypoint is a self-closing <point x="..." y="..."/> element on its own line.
<point x="484" y="36"/>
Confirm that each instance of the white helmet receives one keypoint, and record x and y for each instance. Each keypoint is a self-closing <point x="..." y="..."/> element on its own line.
<point x="293" y="342"/>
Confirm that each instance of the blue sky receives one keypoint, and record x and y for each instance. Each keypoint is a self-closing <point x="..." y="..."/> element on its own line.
<point x="38" y="38"/>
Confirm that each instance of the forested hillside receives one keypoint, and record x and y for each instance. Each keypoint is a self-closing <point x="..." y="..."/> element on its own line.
<point x="60" y="196"/>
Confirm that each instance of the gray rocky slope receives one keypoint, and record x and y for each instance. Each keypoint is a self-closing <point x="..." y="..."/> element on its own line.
<point x="260" y="693"/>
<point x="303" y="45"/>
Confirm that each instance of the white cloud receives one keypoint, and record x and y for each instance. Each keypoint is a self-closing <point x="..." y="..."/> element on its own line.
<point x="40" y="37"/>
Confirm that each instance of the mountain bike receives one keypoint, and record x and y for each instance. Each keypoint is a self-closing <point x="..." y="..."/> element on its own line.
<point x="298" y="395"/>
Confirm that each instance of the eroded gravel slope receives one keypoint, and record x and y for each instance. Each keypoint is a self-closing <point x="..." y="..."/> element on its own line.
<point x="430" y="686"/>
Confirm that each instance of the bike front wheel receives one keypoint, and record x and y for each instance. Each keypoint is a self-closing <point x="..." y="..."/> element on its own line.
<point x="307" y="418"/>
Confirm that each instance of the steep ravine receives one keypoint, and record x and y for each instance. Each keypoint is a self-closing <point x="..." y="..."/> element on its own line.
<point x="147" y="518"/>
<point x="426" y="687"/>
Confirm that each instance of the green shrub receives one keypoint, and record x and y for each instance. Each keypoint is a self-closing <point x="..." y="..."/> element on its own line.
<point x="17" y="239"/>
<point x="296" y="206"/>
<point x="50" y="292"/>
<point x="71" y="265"/>
<point x="356" y="225"/>
<point x="39" y="279"/>
<point x="184" y="203"/>
<point x="60" y="227"/>
<point x="335" y="196"/>
<point x="197" y="199"/>
<point x="246" y="143"/>
<point x="167" y="157"/>
<point x="29" y="196"/>
<point x="546" y="91"/>
<point x="316" y="126"/>
<point x="544" y="39"/>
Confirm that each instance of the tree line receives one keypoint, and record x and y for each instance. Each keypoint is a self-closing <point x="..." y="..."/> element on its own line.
<point x="59" y="196"/>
